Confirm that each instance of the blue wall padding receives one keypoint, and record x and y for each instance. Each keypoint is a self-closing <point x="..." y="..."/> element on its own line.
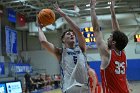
<point x="96" y="66"/>
<point x="133" y="69"/>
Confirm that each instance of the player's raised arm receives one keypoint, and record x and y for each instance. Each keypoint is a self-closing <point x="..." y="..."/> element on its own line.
<point x="115" y="24"/>
<point x="74" y="27"/>
<point x="47" y="45"/>
<point x="98" y="34"/>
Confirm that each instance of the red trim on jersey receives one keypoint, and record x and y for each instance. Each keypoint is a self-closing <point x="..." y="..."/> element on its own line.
<point x="114" y="75"/>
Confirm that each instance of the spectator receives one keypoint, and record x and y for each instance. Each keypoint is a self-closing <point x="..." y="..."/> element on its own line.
<point x="28" y="82"/>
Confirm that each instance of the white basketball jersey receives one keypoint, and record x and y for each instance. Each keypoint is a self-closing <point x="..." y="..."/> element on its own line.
<point x="74" y="71"/>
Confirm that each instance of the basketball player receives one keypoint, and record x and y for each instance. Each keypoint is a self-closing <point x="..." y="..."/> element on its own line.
<point x="93" y="81"/>
<point x="71" y="57"/>
<point x="113" y="65"/>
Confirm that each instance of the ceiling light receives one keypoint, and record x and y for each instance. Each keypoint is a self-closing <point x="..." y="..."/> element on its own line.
<point x="33" y="34"/>
<point x="103" y="7"/>
<point x="109" y="3"/>
<point x="87" y="5"/>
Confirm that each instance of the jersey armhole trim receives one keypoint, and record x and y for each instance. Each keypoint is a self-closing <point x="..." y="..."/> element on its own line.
<point x="110" y="52"/>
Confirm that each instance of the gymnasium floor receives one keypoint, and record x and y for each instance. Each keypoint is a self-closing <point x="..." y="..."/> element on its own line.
<point x="54" y="91"/>
<point x="134" y="85"/>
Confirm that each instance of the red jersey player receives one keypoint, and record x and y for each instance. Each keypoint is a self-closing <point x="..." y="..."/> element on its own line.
<point x="113" y="65"/>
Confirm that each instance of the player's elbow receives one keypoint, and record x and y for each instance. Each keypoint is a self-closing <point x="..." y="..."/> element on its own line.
<point x="43" y="43"/>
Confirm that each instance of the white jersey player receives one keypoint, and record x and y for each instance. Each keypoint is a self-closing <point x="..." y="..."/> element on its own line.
<point x="71" y="57"/>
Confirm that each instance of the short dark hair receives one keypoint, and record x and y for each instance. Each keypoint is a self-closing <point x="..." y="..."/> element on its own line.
<point x="63" y="34"/>
<point x="121" y="40"/>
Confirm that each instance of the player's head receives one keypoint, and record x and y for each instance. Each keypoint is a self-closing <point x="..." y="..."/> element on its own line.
<point x="117" y="40"/>
<point x="68" y="37"/>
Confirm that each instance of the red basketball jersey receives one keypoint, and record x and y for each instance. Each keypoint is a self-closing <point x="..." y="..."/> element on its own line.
<point x="114" y="75"/>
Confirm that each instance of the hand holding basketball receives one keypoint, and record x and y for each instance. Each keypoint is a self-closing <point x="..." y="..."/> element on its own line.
<point x="46" y="17"/>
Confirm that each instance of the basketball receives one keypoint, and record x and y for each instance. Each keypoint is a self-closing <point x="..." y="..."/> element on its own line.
<point x="46" y="17"/>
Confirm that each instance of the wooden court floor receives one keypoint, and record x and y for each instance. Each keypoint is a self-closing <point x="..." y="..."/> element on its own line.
<point x="134" y="85"/>
<point x="54" y="91"/>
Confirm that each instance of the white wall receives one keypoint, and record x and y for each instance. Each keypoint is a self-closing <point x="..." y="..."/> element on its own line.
<point x="40" y="58"/>
<point x="43" y="60"/>
<point x="34" y="44"/>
